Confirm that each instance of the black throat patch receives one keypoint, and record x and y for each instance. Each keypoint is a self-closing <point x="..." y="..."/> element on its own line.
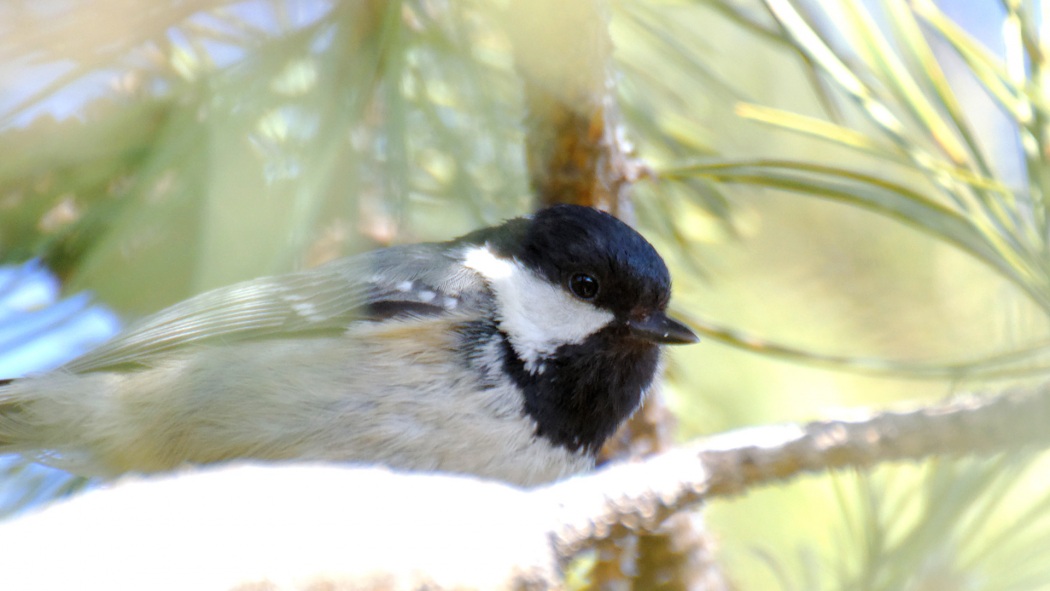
<point x="585" y="391"/>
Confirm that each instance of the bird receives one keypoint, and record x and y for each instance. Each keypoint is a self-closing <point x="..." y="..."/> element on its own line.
<point x="511" y="353"/>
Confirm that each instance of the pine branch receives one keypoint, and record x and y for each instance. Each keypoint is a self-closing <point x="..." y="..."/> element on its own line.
<point x="647" y="493"/>
<point x="576" y="152"/>
<point x="575" y="146"/>
<point x="369" y="528"/>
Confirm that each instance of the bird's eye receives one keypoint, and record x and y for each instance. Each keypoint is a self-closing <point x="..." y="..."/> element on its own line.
<point x="583" y="286"/>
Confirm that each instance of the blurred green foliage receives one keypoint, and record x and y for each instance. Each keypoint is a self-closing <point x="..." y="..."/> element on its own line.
<point x="326" y="129"/>
<point x="223" y="140"/>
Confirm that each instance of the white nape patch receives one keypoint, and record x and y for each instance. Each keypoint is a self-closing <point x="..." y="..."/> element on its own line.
<point x="426" y="295"/>
<point x="537" y="316"/>
<point x="404" y="286"/>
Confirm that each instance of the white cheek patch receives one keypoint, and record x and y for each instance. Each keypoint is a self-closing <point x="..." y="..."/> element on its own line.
<point x="537" y="316"/>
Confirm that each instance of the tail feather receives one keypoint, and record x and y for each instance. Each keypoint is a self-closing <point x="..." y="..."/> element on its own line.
<point x="73" y="422"/>
<point x="12" y="422"/>
<point x="25" y="426"/>
<point x="6" y="409"/>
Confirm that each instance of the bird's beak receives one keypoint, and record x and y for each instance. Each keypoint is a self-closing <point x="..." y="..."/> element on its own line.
<point x="660" y="328"/>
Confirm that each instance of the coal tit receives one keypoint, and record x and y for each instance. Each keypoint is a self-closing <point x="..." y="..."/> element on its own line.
<point x="510" y="353"/>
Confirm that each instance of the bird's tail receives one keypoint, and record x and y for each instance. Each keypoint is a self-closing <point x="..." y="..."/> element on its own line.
<point x="41" y="413"/>
<point x="12" y="423"/>
<point x="75" y="422"/>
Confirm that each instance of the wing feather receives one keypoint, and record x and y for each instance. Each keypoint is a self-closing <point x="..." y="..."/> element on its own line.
<point x="321" y="300"/>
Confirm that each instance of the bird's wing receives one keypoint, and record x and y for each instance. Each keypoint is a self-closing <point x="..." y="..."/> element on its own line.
<point x="419" y="280"/>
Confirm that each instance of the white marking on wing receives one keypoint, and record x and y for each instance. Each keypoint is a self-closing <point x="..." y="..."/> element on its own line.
<point x="308" y="311"/>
